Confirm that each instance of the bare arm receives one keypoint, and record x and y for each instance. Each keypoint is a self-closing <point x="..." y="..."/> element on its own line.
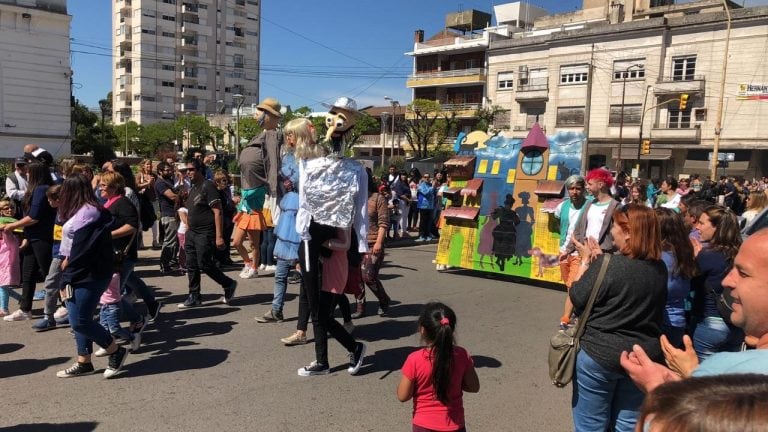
<point x="471" y="382"/>
<point x="405" y="389"/>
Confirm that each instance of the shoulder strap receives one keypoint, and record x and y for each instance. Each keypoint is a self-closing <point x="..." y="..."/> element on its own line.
<point x="581" y="326"/>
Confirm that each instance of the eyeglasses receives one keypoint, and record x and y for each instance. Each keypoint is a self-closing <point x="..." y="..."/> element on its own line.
<point x="191" y="169"/>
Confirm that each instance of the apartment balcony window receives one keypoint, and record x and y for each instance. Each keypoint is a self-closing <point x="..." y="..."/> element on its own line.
<point x="505" y="81"/>
<point x="570" y="116"/>
<point x="677" y="119"/>
<point x="631" y="115"/>
<point x="532" y="79"/>
<point x="189" y="7"/>
<point x="684" y="68"/>
<point x="239" y="32"/>
<point x="629" y="69"/>
<point x="238" y="61"/>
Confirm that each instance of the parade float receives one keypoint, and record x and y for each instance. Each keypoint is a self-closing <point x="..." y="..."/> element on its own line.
<point x="502" y="195"/>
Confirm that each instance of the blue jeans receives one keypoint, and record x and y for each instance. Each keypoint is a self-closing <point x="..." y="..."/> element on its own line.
<point x="602" y="399"/>
<point x="109" y="318"/>
<point x="267" y="247"/>
<point x="81" y="308"/>
<point x="713" y="335"/>
<point x="281" y="283"/>
<point x="129" y="282"/>
<point x="5" y="293"/>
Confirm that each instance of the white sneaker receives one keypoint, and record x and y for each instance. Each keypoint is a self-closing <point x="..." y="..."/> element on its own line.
<point x="262" y="266"/>
<point x="135" y="342"/>
<point x="19" y="315"/>
<point x="270" y="268"/>
<point x="101" y="352"/>
<point x="60" y="313"/>
<point x="249" y="273"/>
<point x="245" y="269"/>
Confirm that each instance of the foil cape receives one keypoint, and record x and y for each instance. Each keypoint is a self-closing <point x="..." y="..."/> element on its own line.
<point x="331" y="185"/>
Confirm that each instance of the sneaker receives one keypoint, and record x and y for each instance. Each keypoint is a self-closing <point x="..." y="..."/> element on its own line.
<point x="60" y="313"/>
<point x="229" y="292"/>
<point x="262" y="266"/>
<point x="356" y="358"/>
<point x="430" y="238"/>
<point x="421" y="239"/>
<point x="270" y="316"/>
<point x="44" y="324"/>
<point x="314" y="369"/>
<point x="349" y="327"/>
<point x="249" y="273"/>
<point x="62" y="321"/>
<point x="294" y="278"/>
<point x="294" y="339"/>
<point x="270" y="268"/>
<point x="153" y="311"/>
<point x="135" y="342"/>
<point x="101" y="352"/>
<point x="139" y="326"/>
<point x="192" y="301"/>
<point x="247" y="267"/>
<point x="19" y="315"/>
<point x="76" y="370"/>
<point x="116" y="361"/>
<point x="384" y="306"/>
<point x="4" y="312"/>
<point x="39" y="295"/>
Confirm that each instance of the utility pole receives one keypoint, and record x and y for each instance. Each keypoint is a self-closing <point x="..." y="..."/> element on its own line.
<point x="384" y="116"/>
<point x="587" y="110"/>
<point x="624" y="73"/>
<point x="238" y="99"/>
<point x="719" y="123"/>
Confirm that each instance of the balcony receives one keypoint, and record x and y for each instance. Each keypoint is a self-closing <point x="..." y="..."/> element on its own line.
<point x="126" y="44"/>
<point x="447" y="78"/>
<point x="125" y="9"/>
<point x="676" y="135"/>
<point x="676" y="85"/>
<point x="532" y="92"/>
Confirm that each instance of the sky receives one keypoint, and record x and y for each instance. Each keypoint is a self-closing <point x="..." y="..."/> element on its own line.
<point x="311" y="52"/>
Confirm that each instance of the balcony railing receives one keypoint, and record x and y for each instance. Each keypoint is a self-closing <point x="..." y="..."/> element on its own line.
<point x="448" y="74"/>
<point x="682" y="78"/>
<point x="460" y="106"/>
<point x="532" y="87"/>
<point x="677" y="85"/>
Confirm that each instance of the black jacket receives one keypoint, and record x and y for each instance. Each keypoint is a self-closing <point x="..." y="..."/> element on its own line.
<point x="91" y="257"/>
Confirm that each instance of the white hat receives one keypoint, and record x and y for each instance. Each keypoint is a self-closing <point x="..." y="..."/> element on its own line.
<point x="345" y="105"/>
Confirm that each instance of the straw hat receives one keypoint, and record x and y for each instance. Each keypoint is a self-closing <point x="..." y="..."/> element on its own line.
<point x="270" y="105"/>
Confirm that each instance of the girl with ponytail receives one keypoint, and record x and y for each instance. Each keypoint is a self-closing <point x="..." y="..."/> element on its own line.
<point x="437" y="375"/>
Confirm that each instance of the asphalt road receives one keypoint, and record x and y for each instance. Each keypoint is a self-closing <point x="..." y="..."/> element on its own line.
<point x="215" y="368"/>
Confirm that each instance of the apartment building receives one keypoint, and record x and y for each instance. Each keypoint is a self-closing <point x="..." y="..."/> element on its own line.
<point x="174" y="57"/>
<point x="617" y="71"/>
<point x="35" y="73"/>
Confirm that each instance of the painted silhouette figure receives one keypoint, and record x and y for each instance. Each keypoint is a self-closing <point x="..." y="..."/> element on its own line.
<point x="526" y="219"/>
<point x="505" y="233"/>
<point x="545" y="260"/>
<point x="485" y="247"/>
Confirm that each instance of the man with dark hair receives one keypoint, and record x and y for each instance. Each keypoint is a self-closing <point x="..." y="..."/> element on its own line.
<point x="205" y="232"/>
<point x="167" y="199"/>
<point x="595" y="219"/>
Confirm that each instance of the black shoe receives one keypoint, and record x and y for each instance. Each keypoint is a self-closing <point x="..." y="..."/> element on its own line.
<point x="314" y="369"/>
<point x="153" y="311"/>
<point x="229" y="292"/>
<point x="116" y="361"/>
<point x="140" y="326"/>
<point x="192" y="301"/>
<point x="294" y="278"/>
<point x="356" y="358"/>
<point x="76" y="370"/>
<point x="384" y="306"/>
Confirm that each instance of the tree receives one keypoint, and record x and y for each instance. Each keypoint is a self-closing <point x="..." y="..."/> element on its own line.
<point x="487" y="116"/>
<point x="88" y="127"/>
<point x="427" y="124"/>
<point x="249" y="128"/>
<point x="132" y="129"/>
<point x="157" y="138"/>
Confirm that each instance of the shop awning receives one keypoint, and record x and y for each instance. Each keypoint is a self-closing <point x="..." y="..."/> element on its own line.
<point x="460" y="161"/>
<point x="465" y="213"/>
<point x="547" y="188"/>
<point x="473" y="187"/>
<point x="550" y="205"/>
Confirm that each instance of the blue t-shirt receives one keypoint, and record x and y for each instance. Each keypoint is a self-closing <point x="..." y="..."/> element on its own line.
<point x="753" y="361"/>
<point x="678" y="288"/>
<point x="41" y="211"/>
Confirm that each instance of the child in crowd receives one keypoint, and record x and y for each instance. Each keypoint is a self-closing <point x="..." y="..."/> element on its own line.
<point x="181" y="232"/>
<point x="437" y="375"/>
<point x="51" y="315"/>
<point x="267" y="254"/>
<point x="10" y="268"/>
<point x="109" y="317"/>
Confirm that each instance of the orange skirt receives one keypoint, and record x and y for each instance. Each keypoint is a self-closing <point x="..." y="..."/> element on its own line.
<point x="250" y="222"/>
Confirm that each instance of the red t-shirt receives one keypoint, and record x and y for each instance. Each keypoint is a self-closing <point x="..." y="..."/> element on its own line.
<point x="428" y="412"/>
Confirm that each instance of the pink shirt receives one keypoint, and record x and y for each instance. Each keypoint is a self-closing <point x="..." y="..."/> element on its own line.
<point x="112" y="293"/>
<point x="428" y="412"/>
<point x="10" y="267"/>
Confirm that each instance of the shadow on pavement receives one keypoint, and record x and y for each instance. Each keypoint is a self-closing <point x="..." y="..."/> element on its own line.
<point x="28" y="366"/>
<point x="385" y="330"/>
<point x="387" y="361"/>
<point x="485" y="362"/>
<point x="10" y="347"/>
<point x="383" y="276"/>
<point x="251" y="299"/>
<point x="175" y="361"/>
<point x="51" y="427"/>
<point x="399" y="310"/>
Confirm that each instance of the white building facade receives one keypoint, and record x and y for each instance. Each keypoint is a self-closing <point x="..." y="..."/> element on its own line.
<point x="174" y="57"/>
<point x="35" y="76"/>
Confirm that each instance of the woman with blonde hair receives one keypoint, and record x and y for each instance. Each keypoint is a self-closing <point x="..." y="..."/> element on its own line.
<point x="145" y="182"/>
<point x="756" y="202"/>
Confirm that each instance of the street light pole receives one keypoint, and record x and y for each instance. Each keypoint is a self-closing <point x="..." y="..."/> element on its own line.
<point x="103" y="107"/>
<point x="383" y="135"/>
<point x="395" y="104"/>
<point x="238" y="99"/>
<point x="624" y="74"/>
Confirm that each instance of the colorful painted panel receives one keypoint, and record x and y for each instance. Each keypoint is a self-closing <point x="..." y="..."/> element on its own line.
<point x="516" y="232"/>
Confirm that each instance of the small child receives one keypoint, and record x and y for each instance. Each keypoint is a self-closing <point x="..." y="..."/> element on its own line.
<point x="181" y="232"/>
<point x="437" y="375"/>
<point x="109" y="317"/>
<point x="10" y="268"/>
<point x="52" y="281"/>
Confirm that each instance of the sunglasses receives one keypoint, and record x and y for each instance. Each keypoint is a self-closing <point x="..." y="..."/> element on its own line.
<point x="191" y="169"/>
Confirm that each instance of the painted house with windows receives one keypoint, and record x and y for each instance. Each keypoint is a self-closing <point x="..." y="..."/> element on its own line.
<point x="616" y="71"/>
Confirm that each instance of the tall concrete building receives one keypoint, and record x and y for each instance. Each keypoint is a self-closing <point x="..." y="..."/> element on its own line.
<point x="35" y="74"/>
<point x="175" y="57"/>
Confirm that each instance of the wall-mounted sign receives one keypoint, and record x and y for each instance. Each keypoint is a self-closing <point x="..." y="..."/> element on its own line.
<point x="752" y="92"/>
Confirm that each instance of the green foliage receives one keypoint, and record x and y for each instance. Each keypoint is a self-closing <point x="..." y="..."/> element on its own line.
<point x="428" y="125"/>
<point x="249" y="128"/>
<point x="88" y="128"/>
<point x="397" y="161"/>
<point x="485" y="117"/>
<point x="157" y="138"/>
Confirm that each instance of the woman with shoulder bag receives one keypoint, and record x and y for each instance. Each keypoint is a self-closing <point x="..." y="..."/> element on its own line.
<point x="628" y="310"/>
<point x="87" y="268"/>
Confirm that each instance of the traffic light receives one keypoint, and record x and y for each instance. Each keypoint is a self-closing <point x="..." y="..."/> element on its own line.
<point x="683" y="101"/>
<point x="645" y="149"/>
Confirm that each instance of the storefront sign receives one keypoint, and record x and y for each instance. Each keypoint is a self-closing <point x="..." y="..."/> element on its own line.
<point x="752" y="92"/>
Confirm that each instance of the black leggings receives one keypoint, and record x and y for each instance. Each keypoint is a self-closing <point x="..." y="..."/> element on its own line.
<point x="36" y="260"/>
<point x="425" y="219"/>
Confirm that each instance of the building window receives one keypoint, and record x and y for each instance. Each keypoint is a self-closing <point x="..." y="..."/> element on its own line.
<point x="238" y="60"/>
<point x="533" y="79"/>
<point x="631" y="115"/>
<point x="574" y="74"/>
<point x="168" y="67"/>
<point x="168" y="84"/>
<point x="683" y="68"/>
<point x="169" y="18"/>
<point x="169" y="34"/>
<point x="629" y="69"/>
<point x="506" y="81"/>
<point x="679" y="119"/>
<point x="534" y="113"/>
<point x="532" y="163"/>
<point x="570" y="116"/>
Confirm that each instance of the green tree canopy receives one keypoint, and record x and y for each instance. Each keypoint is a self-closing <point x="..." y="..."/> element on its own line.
<point x="426" y="124"/>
